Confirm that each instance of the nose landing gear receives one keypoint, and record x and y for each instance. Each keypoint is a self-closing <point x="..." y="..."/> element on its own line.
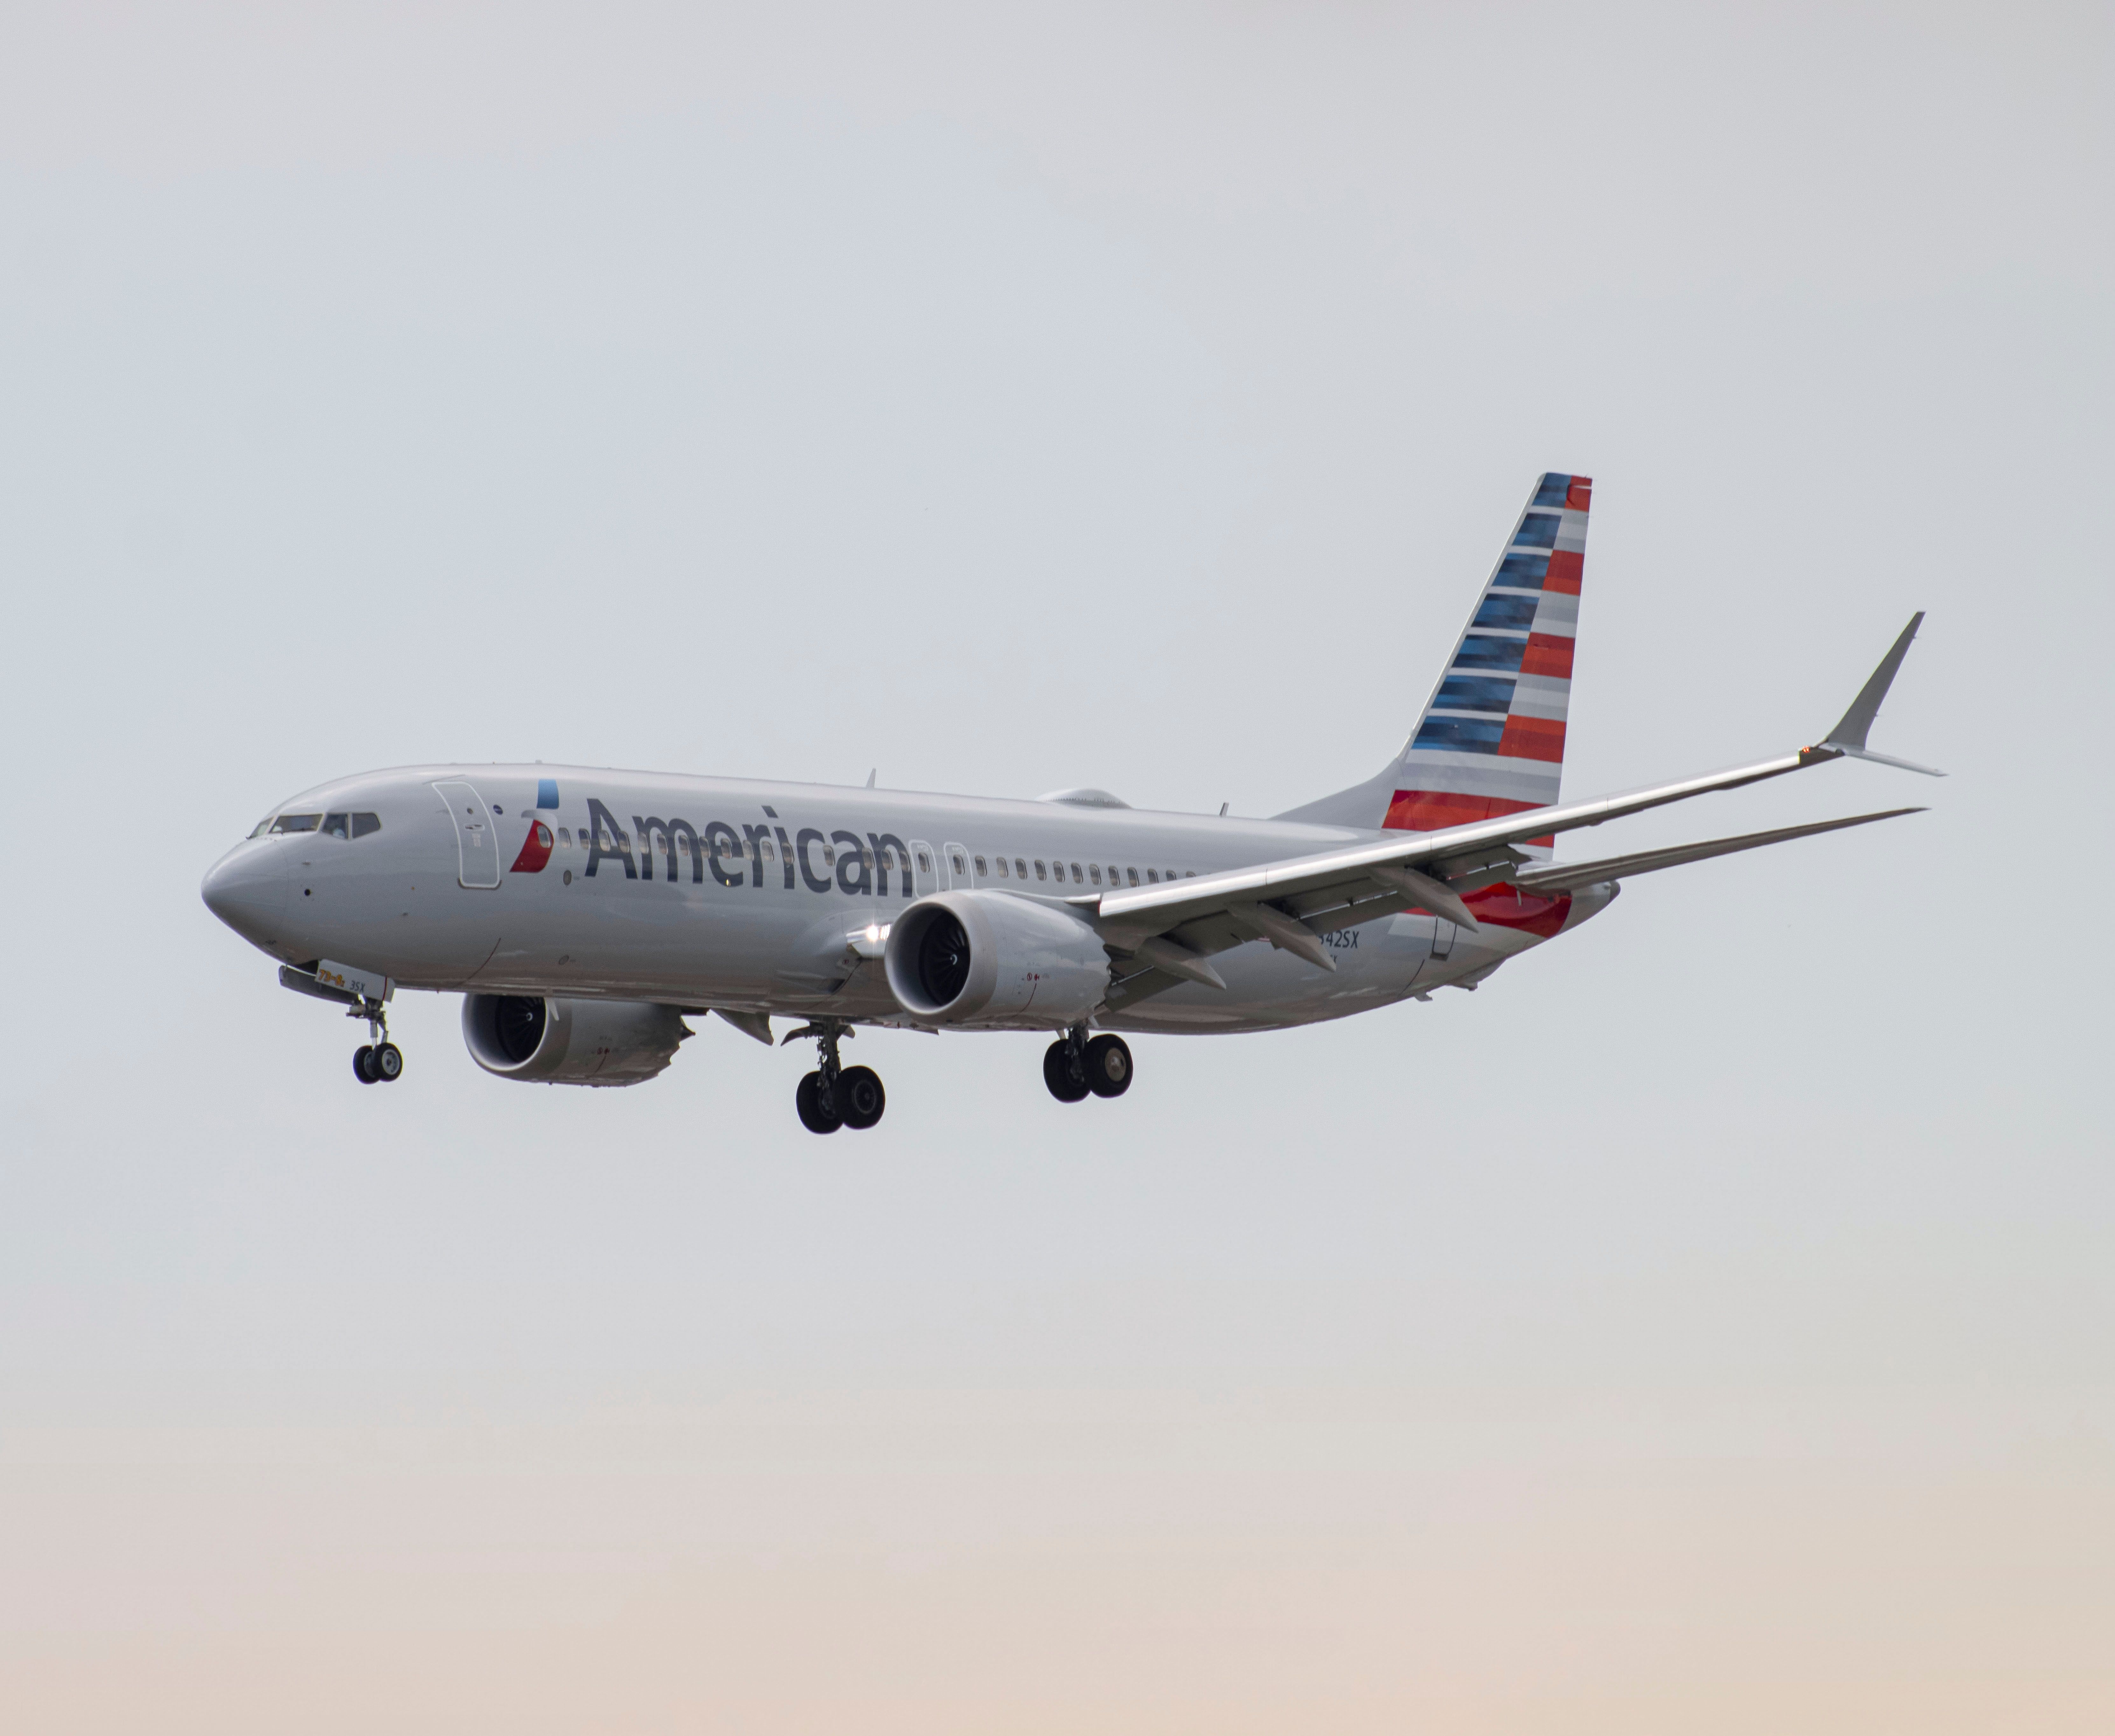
<point x="833" y="1097"/>
<point x="381" y="1062"/>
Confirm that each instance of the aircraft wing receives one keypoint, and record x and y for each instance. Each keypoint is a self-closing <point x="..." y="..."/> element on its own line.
<point x="1167" y="933"/>
<point x="1568" y="877"/>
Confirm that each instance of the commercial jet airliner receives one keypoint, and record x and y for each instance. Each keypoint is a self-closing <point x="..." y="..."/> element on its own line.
<point x="582" y="915"/>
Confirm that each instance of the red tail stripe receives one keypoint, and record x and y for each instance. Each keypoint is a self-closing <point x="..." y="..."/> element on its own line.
<point x="1532" y="738"/>
<point x="1434" y="810"/>
<point x="1547" y="654"/>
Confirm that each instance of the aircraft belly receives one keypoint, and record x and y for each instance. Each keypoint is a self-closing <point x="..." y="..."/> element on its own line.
<point x="1268" y="989"/>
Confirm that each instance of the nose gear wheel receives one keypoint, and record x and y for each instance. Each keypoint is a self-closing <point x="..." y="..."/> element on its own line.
<point x="378" y="1061"/>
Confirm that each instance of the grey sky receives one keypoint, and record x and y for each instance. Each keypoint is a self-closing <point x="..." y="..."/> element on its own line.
<point x="1709" y="1316"/>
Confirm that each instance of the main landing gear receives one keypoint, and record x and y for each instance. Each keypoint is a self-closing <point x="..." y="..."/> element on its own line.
<point x="1073" y="1066"/>
<point x="833" y="1097"/>
<point x="380" y="1062"/>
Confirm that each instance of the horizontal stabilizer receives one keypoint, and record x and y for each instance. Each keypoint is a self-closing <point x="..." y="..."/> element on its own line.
<point x="1567" y="876"/>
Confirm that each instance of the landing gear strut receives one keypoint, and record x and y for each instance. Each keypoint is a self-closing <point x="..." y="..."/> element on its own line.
<point x="833" y="1097"/>
<point x="378" y="1061"/>
<point x="1073" y="1066"/>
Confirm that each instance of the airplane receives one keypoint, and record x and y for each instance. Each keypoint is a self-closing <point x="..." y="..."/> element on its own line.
<point x="583" y="914"/>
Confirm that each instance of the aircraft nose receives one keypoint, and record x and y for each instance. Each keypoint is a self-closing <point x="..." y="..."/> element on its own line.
<point x="246" y="889"/>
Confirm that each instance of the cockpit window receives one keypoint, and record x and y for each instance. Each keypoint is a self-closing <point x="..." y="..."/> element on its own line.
<point x="297" y="823"/>
<point x="337" y="826"/>
<point x="364" y="823"/>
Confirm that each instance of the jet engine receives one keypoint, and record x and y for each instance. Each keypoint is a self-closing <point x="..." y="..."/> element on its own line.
<point x="987" y="958"/>
<point x="570" y="1042"/>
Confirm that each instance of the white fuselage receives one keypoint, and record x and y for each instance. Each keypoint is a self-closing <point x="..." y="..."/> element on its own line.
<point x="770" y="898"/>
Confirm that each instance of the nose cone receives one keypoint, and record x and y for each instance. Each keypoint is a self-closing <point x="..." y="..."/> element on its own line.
<point x="246" y="889"/>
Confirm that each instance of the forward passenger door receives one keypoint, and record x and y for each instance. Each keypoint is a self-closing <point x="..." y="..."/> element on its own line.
<point x="477" y="845"/>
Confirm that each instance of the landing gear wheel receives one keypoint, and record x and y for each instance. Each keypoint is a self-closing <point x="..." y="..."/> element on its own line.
<point x="808" y="1103"/>
<point x="1057" y="1073"/>
<point x="363" y="1064"/>
<point x="860" y="1097"/>
<point x="386" y="1063"/>
<point x="1108" y="1066"/>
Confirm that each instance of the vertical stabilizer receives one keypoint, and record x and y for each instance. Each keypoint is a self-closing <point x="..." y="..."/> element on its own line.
<point x="1490" y="740"/>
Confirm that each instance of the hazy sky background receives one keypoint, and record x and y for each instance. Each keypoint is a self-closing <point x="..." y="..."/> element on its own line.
<point x="1706" y="1324"/>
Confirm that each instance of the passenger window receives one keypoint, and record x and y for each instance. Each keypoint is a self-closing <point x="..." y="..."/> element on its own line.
<point x="287" y="822"/>
<point x="960" y="867"/>
<point x="764" y="845"/>
<point x="1001" y="868"/>
<point x="925" y="863"/>
<point x="1039" y="874"/>
<point x="1153" y="875"/>
<point x="1019" y="869"/>
<point x="565" y="837"/>
<point x="1095" y="872"/>
<point x="1134" y="877"/>
<point x="1188" y="873"/>
<point x="337" y="826"/>
<point x="830" y="856"/>
<point x="981" y="868"/>
<point x="866" y="859"/>
<point x="1078" y="878"/>
<point x="1116" y="879"/>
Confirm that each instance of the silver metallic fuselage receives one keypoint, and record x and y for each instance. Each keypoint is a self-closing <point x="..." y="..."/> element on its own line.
<point x="394" y="901"/>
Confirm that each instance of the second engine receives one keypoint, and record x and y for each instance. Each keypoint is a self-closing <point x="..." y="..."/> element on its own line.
<point x="971" y="958"/>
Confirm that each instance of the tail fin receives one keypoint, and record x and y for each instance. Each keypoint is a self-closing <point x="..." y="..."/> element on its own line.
<point x="1490" y="740"/>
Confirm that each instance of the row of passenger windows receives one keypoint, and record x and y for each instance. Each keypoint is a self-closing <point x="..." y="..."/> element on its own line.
<point x="1092" y="876"/>
<point x="329" y="824"/>
<point x="1001" y="868"/>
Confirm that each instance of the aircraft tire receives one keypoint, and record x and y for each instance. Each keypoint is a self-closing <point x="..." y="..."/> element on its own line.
<point x="1057" y="1073"/>
<point x="1108" y="1066"/>
<point x="363" y="1065"/>
<point x="808" y="1104"/>
<point x="387" y="1063"/>
<point x="860" y="1097"/>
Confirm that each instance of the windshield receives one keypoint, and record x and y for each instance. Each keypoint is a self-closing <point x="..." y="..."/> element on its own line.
<point x="331" y="825"/>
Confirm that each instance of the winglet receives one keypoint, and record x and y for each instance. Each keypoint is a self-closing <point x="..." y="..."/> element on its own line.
<point x="1848" y="737"/>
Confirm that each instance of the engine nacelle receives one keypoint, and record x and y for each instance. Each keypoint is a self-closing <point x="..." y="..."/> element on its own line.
<point x="570" y="1042"/>
<point x="988" y="958"/>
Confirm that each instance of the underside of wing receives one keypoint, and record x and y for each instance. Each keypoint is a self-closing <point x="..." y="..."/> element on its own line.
<point x="1566" y="876"/>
